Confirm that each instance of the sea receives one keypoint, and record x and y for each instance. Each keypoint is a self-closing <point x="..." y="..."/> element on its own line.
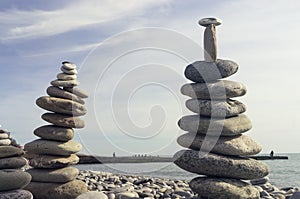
<point x="283" y="173"/>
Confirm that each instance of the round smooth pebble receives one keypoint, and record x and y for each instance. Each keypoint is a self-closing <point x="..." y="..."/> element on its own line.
<point x="3" y="130"/>
<point x="10" y="151"/>
<point x="65" y="83"/>
<point x="68" y="65"/>
<point x="16" y="194"/>
<point x="64" y="76"/>
<point x="13" y="179"/>
<point x="12" y="163"/>
<point x="4" y="135"/>
<point x="77" y="91"/>
<point x="260" y="181"/>
<point x="63" y="120"/>
<point x="211" y="20"/>
<point x="54" y="91"/>
<point x="5" y="142"/>
<point x="69" y="72"/>
<point x="51" y="132"/>
<point x="92" y="195"/>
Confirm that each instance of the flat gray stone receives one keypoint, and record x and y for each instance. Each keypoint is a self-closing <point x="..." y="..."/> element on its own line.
<point x="78" y="92"/>
<point x="63" y="106"/>
<point x="12" y="163"/>
<point x="63" y="120"/>
<point x="3" y="130"/>
<point x="4" y="135"/>
<point x="295" y="195"/>
<point x="210" y="20"/>
<point x="215" y="126"/>
<point x="10" y="151"/>
<point x="92" y="195"/>
<point x="50" y="147"/>
<point x="260" y="181"/>
<point x="69" y="72"/>
<point x="65" y="83"/>
<point x="51" y="132"/>
<point x="13" y="179"/>
<point x="62" y="175"/>
<point x="214" y="108"/>
<point x="54" y="91"/>
<point x="222" y="188"/>
<point x="64" y="76"/>
<point x="220" y="89"/>
<point x="236" y="145"/>
<point x="51" y="162"/>
<point x="203" y="71"/>
<point x="69" y="190"/>
<point x="5" y="142"/>
<point x="16" y="194"/>
<point x="220" y="166"/>
<point x="68" y="65"/>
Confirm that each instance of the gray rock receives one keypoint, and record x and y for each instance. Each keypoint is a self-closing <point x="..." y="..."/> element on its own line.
<point x="63" y="106"/>
<point x="63" y="120"/>
<point x="62" y="175"/>
<point x="222" y="188"/>
<point x="220" y="108"/>
<point x="210" y="43"/>
<point x="65" y="83"/>
<point x="10" y="151"/>
<point x="4" y="135"/>
<point x="50" y="147"/>
<point x="13" y="179"/>
<point x="64" y="76"/>
<point x="54" y="91"/>
<point x="77" y="91"/>
<point x="220" y="166"/>
<point x="12" y="163"/>
<point x="68" y="65"/>
<point x="260" y="181"/>
<point x="69" y="72"/>
<point x="5" y="142"/>
<point x="51" y="162"/>
<point x="237" y="145"/>
<point x="92" y="195"/>
<point x="69" y="190"/>
<point x="295" y="195"/>
<point x="16" y="194"/>
<point x="51" y="132"/>
<point x="220" y="89"/>
<point x="3" y="130"/>
<point x="127" y="195"/>
<point x="211" y="20"/>
<point x="214" y="127"/>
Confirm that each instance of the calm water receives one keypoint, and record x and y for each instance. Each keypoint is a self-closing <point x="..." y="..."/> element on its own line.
<point x="283" y="172"/>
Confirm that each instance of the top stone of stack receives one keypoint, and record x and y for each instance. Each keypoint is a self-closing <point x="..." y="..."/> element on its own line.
<point x="211" y="20"/>
<point x="68" y="77"/>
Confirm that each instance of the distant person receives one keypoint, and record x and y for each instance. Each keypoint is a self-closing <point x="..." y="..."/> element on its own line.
<point x="114" y="154"/>
<point x="272" y="154"/>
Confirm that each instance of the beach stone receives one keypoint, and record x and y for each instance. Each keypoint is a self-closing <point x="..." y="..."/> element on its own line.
<point x="13" y="179"/>
<point x="68" y="65"/>
<point x="4" y="135"/>
<point x="69" y="190"/>
<point x="64" y="76"/>
<point x="260" y="181"/>
<point x="12" y="163"/>
<point x="210" y="43"/>
<point x="51" y="162"/>
<point x="295" y="195"/>
<point x="63" y="106"/>
<point x="69" y="72"/>
<point x="54" y="91"/>
<point x="203" y="71"/>
<point x="127" y="195"/>
<point x="3" y="130"/>
<point x="222" y="188"/>
<point x="63" y="120"/>
<point x="216" y="108"/>
<point x="220" y="89"/>
<point x="65" y="83"/>
<point x="10" y="151"/>
<point x="220" y="166"/>
<point x="52" y="132"/>
<point x="236" y="145"/>
<point x="16" y="194"/>
<point x="5" y="142"/>
<point x="92" y="195"/>
<point x="211" y="20"/>
<point x="50" y="147"/>
<point x="215" y="127"/>
<point x="62" y="175"/>
<point x="77" y="91"/>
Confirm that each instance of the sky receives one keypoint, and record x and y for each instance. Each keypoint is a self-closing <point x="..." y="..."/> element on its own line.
<point x="131" y="56"/>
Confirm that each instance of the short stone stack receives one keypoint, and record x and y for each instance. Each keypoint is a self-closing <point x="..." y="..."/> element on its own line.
<point x="217" y="147"/>
<point x="12" y="178"/>
<point x="52" y="155"/>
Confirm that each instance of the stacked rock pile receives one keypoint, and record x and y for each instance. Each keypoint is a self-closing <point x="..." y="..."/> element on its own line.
<point x="12" y="178"/>
<point x="52" y="155"/>
<point x="216" y="144"/>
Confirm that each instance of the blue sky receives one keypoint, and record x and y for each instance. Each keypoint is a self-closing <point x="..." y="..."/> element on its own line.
<point x="36" y="36"/>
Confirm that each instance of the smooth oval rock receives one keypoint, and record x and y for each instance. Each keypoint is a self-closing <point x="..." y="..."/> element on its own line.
<point x="236" y="145"/>
<point x="51" y="162"/>
<point x="222" y="188"/>
<point x="67" y="71"/>
<point x="3" y="130"/>
<point x="12" y="163"/>
<point x="65" y="83"/>
<point x="210" y="20"/>
<point x="64" y="76"/>
<point x="10" y="151"/>
<point x="69" y="190"/>
<point x="78" y="92"/>
<point x="16" y="194"/>
<point x="51" y="132"/>
<point x="220" y="108"/>
<point x="220" y="166"/>
<point x="63" y="120"/>
<point x="5" y="142"/>
<point x="68" y="65"/>
<point x="63" y="106"/>
<point x="215" y="127"/>
<point x="92" y="195"/>
<point x="62" y="175"/>
<point x="4" y="135"/>
<point x="13" y="179"/>
<point x="49" y="147"/>
<point x="203" y="71"/>
<point x="260" y="181"/>
<point x="220" y="89"/>
<point x="54" y="91"/>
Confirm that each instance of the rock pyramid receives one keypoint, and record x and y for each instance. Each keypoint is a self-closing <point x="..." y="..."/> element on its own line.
<point x="217" y="145"/>
<point x="52" y="155"/>
<point x="12" y="178"/>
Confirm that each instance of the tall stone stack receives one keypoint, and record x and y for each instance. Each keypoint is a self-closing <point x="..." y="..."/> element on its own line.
<point x="217" y="145"/>
<point x="52" y="155"/>
<point x="12" y="178"/>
